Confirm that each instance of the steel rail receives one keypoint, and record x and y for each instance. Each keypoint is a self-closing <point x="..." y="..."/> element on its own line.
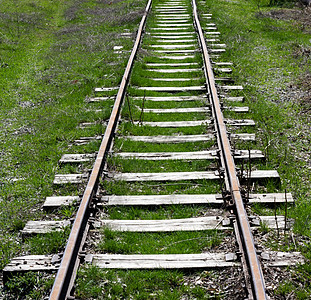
<point x="66" y="273"/>
<point x="232" y="181"/>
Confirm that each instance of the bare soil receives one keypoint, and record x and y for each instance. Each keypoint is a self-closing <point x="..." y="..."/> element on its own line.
<point x="305" y="86"/>
<point x="301" y="17"/>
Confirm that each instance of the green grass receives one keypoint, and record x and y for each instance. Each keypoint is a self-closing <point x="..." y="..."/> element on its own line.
<point x="47" y="243"/>
<point x="156" y="213"/>
<point x="123" y="145"/>
<point x="30" y="286"/>
<point x="139" y="284"/>
<point x="127" y="128"/>
<point x="158" y="243"/>
<point x="53" y="54"/>
<point x="187" y="187"/>
<point x="164" y="104"/>
<point x="146" y="166"/>
<point x="165" y="117"/>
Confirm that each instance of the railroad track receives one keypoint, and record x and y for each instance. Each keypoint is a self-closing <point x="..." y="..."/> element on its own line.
<point x="176" y="98"/>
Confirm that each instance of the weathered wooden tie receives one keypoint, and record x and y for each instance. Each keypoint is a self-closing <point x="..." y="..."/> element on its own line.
<point x="184" y="261"/>
<point x="56" y="201"/>
<point x="172" y="88"/>
<point x="152" y="261"/>
<point x="188" y="70"/>
<point x="173" y="199"/>
<point x="77" y="158"/>
<point x="179" y="176"/>
<point x="177" y="124"/>
<point x="171" y="138"/>
<point x="70" y="178"/>
<point x="194" y="155"/>
<point x="171" y="98"/>
<point x="186" y="138"/>
<point x="168" y="225"/>
<point x="35" y="227"/>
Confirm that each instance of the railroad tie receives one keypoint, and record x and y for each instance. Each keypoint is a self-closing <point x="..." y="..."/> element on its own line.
<point x="174" y="199"/>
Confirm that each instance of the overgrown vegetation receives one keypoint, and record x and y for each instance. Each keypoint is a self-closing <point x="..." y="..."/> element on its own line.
<point x="151" y="284"/>
<point x="52" y="55"/>
<point x="270" y="49"/>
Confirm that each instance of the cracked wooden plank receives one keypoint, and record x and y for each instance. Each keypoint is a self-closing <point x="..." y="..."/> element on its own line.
<point x="77" y="158"/>
<point x="176" y="124"/>
<point x="187" y="224"/>
<point x="201" y="109"/>
<point x="57" y="201"/>
<point x="215" y="199"/>
<point x="172" y="88"/>
<point x="70" y="178"/>
<point x="35" y="227"/>
<point x="193" y="155"/>
<point x="171" y="98"/>
<point x="174" y="199"/>
<point x="171" y="138"/>
<point x="33" y="263"/>
<point x="152" y="261"/>
<point x="162" y="261"/>
<point x="86" y="140"/>
<point x="178" y="176"/>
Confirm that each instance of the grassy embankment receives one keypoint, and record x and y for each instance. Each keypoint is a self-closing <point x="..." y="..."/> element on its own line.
<point x="270" y="50"/>
<point x="52" y="54"/>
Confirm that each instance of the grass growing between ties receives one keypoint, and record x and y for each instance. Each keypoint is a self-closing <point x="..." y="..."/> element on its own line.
<point x="131" y="146"/>
<point x="47" y="243"/>
<point x="158" y="284"/>
<point x="270" y="50"/>
<point x="178" y="242"/>
<point x="31" y="285"/>
<point x="158" y="243"/>
<point x="139" y="188"/>
<point x="157" y="213"/>
<point x="145" y="166"/>
<point x="127" y="128"/>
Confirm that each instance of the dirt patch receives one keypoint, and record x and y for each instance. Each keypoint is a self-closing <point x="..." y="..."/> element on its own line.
<point x="304" y="85"/>
<point x="109" y="2"/>
<point x="302" y="51"/>
<point x="70" y="30"/>
<point x="34" y="18"/>
<point x="219" y="284"/>
<point x="112" y="15"/>
<point x="72" y="11"/>
<point x="301" y="17"/>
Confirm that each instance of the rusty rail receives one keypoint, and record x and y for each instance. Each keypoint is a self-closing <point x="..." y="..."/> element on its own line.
<point x="70" y="261"/>
<point x="67" y="271"/>
<point x="232" y="181"/>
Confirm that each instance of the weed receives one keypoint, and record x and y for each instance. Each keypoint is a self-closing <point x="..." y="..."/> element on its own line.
<point x="139" y="284"/>
<point x="67" y="211"/>
<point x="285" y="288"/>
<point x="29" y="286"/>
<point x="51" y="242"/>
<point x="264" y="227"/>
